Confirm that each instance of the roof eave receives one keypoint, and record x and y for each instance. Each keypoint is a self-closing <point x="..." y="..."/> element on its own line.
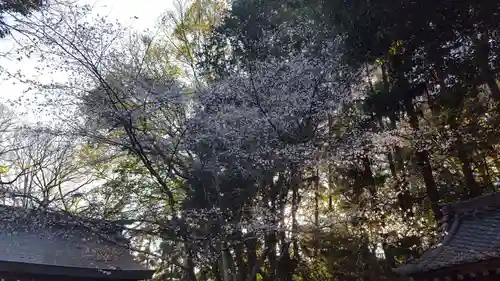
<point x="101" y="273"/>
<point x="408" y="269"/>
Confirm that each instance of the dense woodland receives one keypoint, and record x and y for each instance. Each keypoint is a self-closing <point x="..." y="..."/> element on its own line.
<point x="260" y="140"/>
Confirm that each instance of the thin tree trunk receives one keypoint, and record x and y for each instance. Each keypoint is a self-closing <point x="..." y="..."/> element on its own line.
<point x="370" y="180"/>
<point x="389" y="254"/>
<point x="466" y="167"/>
<point x="496" y="162"/>
<point x="403" y="195"/>
<point x="252" y="275"/>
<point x="482" y="58"/>
<point x="395" y="158"/>
<point x="390" y="158"/>
<point x="216" y="271"/>
<point x="224" y="266"/>
<point x="316" y="215"/>
<point x="240" y="261"/>
<point x="398" y="154"/>
<point x="392" y="165"/>
<point x="190" y="265"/>
<point x="251" y="246"/>
<point x="470" y="181"/>
<point x="485" y="172"/>
<point x="367" y="170"/>
<point x="230" y="263"/>
<point x="331" y="186"/>
<point x="271" y="255"/>
<point x="453" y="121"/>
<point x="282" y="233"/>
<point x="295" y="206"/>
<point x="424" y="163"/>
<point x="271" y="239"/>
<point x="385" y="78"/>
<point x="430" y="184"/>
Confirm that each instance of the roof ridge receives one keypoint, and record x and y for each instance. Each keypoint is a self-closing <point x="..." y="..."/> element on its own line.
<point x="458" y="216"/>
<point x="61" y="218"/>
<point x="446" y="240"/>
<point x="484" y="202"/>
<point x="422" y="261"/>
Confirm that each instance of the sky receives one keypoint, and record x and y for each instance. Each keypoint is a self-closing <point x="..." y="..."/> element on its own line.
<point x="139" y="15"/>
<point x="146" y="11"/>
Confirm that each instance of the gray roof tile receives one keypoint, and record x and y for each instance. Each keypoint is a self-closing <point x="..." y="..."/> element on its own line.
<point x="473" y="237"/>
<point x="61" y="240"/>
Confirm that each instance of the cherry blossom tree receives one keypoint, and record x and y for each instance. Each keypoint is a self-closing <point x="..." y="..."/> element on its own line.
<point x="223" y="164"/>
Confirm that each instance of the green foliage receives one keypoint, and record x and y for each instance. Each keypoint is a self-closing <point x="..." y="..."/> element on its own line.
<point x="239" y="174"/>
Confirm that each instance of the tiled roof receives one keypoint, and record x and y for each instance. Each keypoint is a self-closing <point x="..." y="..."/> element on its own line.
<point x="46" y="239"/>
<point x="474" y="236"/>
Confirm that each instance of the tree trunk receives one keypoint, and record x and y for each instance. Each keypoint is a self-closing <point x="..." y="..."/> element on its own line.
<point x="496" y="162"/>
<point x="271" y="255"/>
<point x="430" y="184"/>
<point x="485" y="173"/>
<point x="231" y="264"/>
<point x="482" y="58"/>
<point x="395" y="158"/>
<point x="271" y="238"/>
<point x="471" y="185"/>
<point x="385" y="78"/>
<point x="392" y="165"/>
<point x="453" y="120"/>
<point x="369" y="179"/>
<point x="190" y="266"/>
<point x="470" y="181"/>
<point x="389" y="254"/>
<point x="224" y="266"/>
<point x="331" y="186"/>
<point x="424" y="163"/>
<point x="251" y="246"/>
<point x="398" y="154"/>
<point x="295" y="206"/>
<point x="316" y="214"/>
<point x="216" y="271"/>
<point x="240" y="261"/>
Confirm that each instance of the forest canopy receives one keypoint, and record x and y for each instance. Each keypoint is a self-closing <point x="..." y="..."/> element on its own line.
<point x="259" y="140"/>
